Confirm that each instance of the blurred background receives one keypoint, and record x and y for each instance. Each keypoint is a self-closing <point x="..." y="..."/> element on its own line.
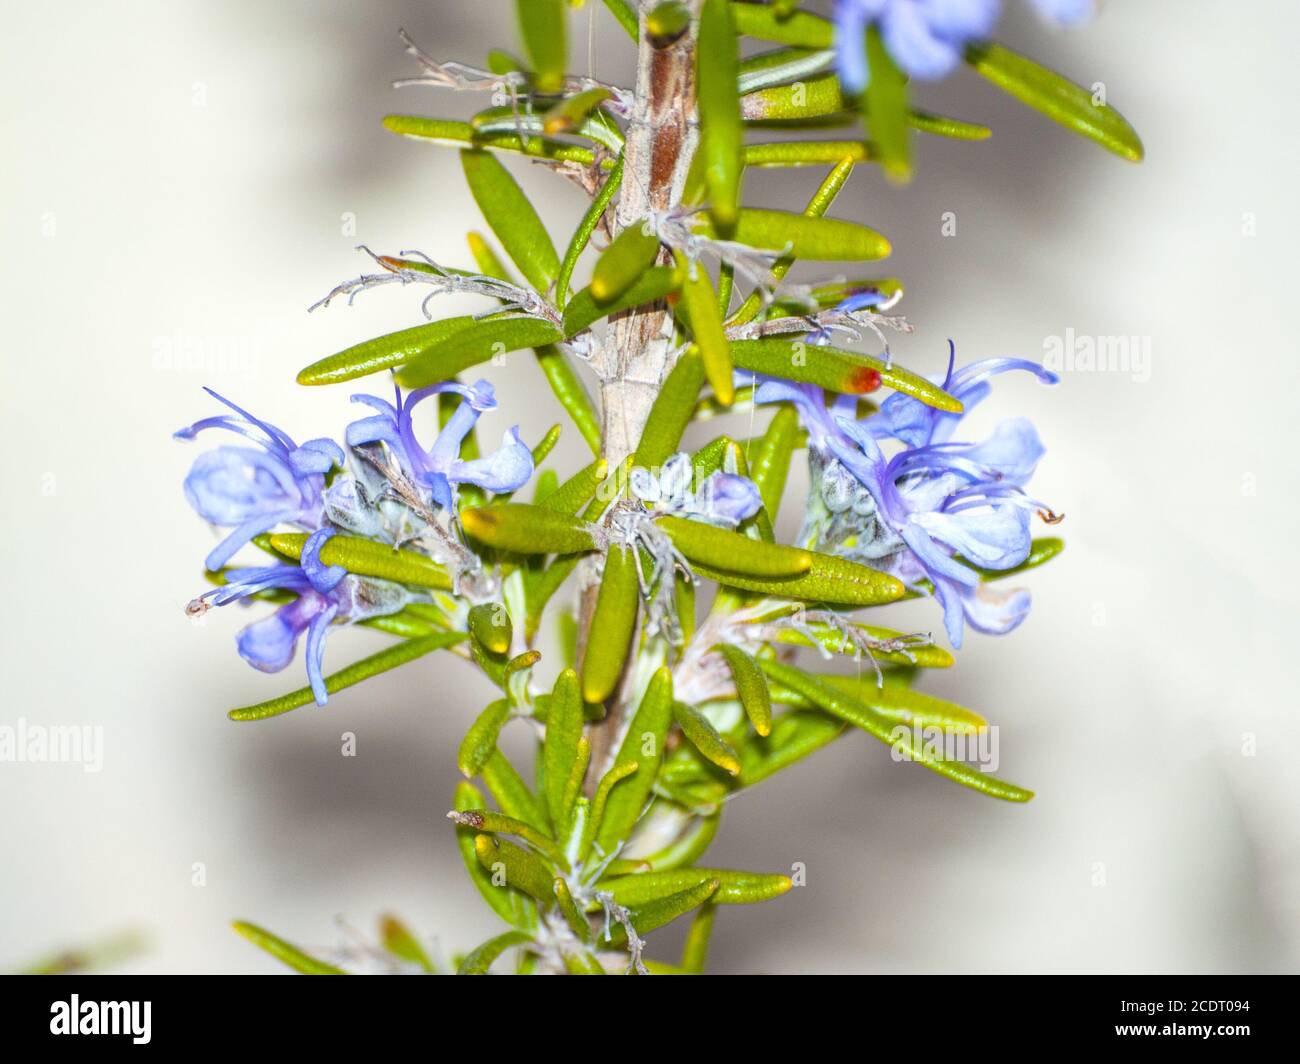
<point x="186" y="177"/>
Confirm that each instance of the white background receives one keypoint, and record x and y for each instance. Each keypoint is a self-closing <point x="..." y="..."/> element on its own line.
<point x="173" y="195"/>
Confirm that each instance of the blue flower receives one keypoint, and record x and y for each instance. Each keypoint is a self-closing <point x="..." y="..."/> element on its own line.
<point x="440" y="469"/>
<point x="1066" y="12"/>
<point x="925" y="38"/>
<point x="914" y="512"/>
<point x="722" y="499"/>
<point x="325" y="594"/>
<point x="251" y="490"/>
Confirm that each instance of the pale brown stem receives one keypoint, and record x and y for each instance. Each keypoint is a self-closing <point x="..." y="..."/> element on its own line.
<point x="661" y="139"/>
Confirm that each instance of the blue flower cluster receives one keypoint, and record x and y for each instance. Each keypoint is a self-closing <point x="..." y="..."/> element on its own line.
<point x="925" y="37"/>
<point x="934" y="509"/>
<point x="253" y="490"/>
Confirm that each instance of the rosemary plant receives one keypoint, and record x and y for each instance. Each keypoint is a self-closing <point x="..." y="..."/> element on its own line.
<point x="691" y="635"/>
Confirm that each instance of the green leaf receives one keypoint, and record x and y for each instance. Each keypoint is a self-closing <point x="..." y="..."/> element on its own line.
<point x="719" y="110"/>
<point x="808" y="153"/>
<point x="513" y="907"/>
<point x="583" y="962"/>
<point x="457" y="134"/>
<point x="802" y="99"/>
<point x="847" y="372"/>
<point x="389" y="658"/>
<point x="571" y="393"/>
<point x="718" y="547"/>
<point x="384" y="352"/>
<point x="898" y="702"/>
<point x="488" y="262"/>
<point x="702" y="735"/>
<point x="543" y="26"/>
<point x="573" y="110"/>
<point x="545" y="485"/>
<point x="830" y="579"/>
<point x="546" y="445"/>
<point x="401" y="943"/>
<point x="480" y="741"/>
<point x="689" y="846"/>
<point x="804" y="237"/>
<point x="943" y="126"/>
<point x="840" y="704"/>
<point x="666" y="22"/>
<point x="626" y="259"/>
<point x="583" y="309"/>
<point x="619" y="772"/>
<point x="701" y="305"/>
<point x="751" y="687"/>
<point x="521" y="868"/>
<point x="800" y="30"/>
<point x="735" y="888"/>
<point x="655" y="914"/>
<point x="474" y="345"/>
<point x="817" y="207"/>
<point x="610" y="635"/>
<point x="511" y="792"/>
<point x="582" y="235"/>
<point x="368" y="557"/>
<point x="695" y="951"/>
<point x="671" y="412"/>
<point x="573" y="494"/>
<point x="769" y="465"/>
<point x="512" y="218"/>
<point x="479" y="960"/>
<point x="525" y="529"/>
<point x="886" y="99"/>
<point x="643" y="745"/>
<point x="484" y="820"/>
<point x="625" y="14"/>
<point x="1060" y="100"/>
<point x="490" y="624"/>
<point x="569" y="910"/>
<point x="779" y="66"/>
<point x="560" y="749"/>
<point x="794" y="736"/>
<point x="286" y="952"/>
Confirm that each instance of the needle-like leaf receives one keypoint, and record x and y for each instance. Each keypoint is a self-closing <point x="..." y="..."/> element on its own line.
<point x="389" y="658"/>
<point x="643" y="745"/>
<point x="719" y="111"/>
<point x="734" y="888"/>
<point x="837" y="371"/>
<point x="702" y="735"/>
<point x="1059" y="99"/>
<point x="285" y="952"/>
<point x="474" y="345"/>
<point x="843" y="705"/>
<point x="510" y="215"/>
<point x="368" y="557"/>
<point x="560" y="749"/>
<point x="480" y="959"/>
<point x="717" y="547"/>
<point x="480" y="741"/>
<point x="610" y="636"/>
<point x="526" y="529"/>
<point x="383" y="352"/>
<point x="751" y="687"/>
